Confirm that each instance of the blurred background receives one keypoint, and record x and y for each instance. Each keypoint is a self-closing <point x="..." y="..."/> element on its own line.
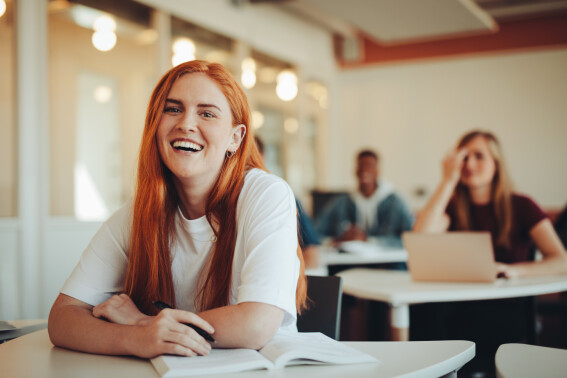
<point x="325" y="78"/>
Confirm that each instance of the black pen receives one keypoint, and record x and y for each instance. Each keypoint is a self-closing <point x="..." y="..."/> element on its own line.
<point x="162" y="305"/>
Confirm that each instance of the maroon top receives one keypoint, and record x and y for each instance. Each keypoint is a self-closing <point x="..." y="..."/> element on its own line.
<point x="525" y="214"/>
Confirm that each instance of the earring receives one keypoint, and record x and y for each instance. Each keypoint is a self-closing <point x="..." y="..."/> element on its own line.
<point x="229" y="153"/>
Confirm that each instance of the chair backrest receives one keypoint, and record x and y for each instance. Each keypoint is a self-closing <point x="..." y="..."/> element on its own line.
<point x="320" y="199"/>
<point x="324" y="312"/>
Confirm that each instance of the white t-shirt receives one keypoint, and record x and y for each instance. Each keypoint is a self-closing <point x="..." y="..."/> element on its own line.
<point x="265" y="267"/>
<point x="368" y="206"/>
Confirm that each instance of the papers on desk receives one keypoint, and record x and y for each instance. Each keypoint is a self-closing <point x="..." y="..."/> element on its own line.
<point x="286" y="348"/>
<point x="5" y="326"/>
<point x="17" y="328"/>
<point x="362" y="248"/>
<point x="359" y="252"/>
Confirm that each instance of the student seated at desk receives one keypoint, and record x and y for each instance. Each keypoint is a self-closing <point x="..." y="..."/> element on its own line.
<point x="373" y="210"/>
<point x="475" y="194"/>
<point x="208" y="231"/>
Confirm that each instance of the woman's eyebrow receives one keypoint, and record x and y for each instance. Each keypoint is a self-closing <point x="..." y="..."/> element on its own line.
<point x="209" y="106"/>
<point x="177" y="102"/>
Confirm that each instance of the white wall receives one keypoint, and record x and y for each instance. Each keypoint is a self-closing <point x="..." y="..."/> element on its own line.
<point x="413" y="112"/>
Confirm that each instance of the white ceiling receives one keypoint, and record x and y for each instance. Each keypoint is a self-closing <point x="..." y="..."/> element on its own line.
<point x="403" y="21"/>
<point x="395" y="21"/>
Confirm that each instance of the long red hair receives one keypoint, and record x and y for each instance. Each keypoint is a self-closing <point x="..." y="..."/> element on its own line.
<point x="149" y="274"/>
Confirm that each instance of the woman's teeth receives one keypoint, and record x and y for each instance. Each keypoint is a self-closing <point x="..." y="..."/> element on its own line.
<point x="186" y="146"/>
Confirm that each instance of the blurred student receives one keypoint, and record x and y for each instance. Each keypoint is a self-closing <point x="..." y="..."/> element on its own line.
<point x="308" y="237"/>
<point x="561" y="226"/>
<point x="475" y="194"/>
<point x="209" y="232"/>
<point x="373" y="210"/>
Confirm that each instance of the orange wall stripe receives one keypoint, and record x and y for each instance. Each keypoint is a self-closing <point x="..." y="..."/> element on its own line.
<point x="525" y="34"/>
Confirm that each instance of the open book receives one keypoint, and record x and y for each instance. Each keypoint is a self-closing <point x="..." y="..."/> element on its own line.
<point x="286" y="348"/>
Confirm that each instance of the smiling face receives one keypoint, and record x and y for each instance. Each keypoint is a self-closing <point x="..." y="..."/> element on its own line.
<point x="479" y="167"/>
<point x="195" y="130"/>
<point x="367" y="170"/>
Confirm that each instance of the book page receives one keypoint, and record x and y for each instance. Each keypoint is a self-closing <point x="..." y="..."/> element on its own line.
<point x="5" y="326"/>
<point x="290" y="348"/>
<point x="218" y="361"/>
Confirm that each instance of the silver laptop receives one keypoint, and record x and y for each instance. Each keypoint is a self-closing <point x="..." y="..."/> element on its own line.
<point x="450" y="256"/>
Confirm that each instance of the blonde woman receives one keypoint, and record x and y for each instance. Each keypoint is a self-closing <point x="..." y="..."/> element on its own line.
<point x="475" y="194"/>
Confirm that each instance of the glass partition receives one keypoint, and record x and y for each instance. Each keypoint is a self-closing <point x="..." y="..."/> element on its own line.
<point x="101" y="72"/>
<point x="103" y="65"/>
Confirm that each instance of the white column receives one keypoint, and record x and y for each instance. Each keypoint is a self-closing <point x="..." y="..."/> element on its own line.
<point x="161" y="22"/>
<point x="33" y="141"/>
<point x="240" y="52"/>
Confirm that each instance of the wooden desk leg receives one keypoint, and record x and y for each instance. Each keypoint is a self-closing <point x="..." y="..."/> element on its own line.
<point x="399" y="323"/>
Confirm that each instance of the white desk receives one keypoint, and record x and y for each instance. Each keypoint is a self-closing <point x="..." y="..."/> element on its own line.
<point x="398" y="290"/>
<point x="34" y="356"/>
<point x="359" y="253"/>
<point x="527" y="361"/>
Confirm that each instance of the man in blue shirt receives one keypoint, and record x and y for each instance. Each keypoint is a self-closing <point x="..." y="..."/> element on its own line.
<point x="374" y="210"/>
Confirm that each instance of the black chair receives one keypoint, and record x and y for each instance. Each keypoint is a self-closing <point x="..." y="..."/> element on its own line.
<point x="324" y="310"/>
<point x="321" y="199"/>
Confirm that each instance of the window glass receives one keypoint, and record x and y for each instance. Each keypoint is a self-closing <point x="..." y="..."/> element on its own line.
<point x="97" y="97"/>
<point x="8" y="141"/>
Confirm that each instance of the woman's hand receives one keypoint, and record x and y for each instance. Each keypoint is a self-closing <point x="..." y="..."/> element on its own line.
<point x="166" y="334"/>
<point x="120" y="309"/>
<point x="432" y="218"/>
<point x="453" y="165"/>
<point x="507" y="271"/>
<point x="352" y="233"/>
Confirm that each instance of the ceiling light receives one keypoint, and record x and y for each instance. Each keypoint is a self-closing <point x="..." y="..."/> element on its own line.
<point x="248" y="64"/>
<point x="183" y="51"/>
<point x="248" y="79"/>
<point x="104" y="40"/>
<point x="248" y="76"/>
<point x="104" y="23"/>
<point x="286" y="88"/>
<point x="2" y="7"/>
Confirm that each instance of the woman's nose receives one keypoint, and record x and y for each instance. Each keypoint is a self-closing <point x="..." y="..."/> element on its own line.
<point x="188" y="122"/>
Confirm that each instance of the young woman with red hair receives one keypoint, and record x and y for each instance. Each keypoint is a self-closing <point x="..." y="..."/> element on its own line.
<point x="208" y="231"/>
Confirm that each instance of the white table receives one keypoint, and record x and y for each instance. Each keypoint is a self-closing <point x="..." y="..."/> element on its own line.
<point x="358" y="253"/>
<point x="34" y="356"/>
<point x="527" y="361"/>
<point x="398" y="290"/>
